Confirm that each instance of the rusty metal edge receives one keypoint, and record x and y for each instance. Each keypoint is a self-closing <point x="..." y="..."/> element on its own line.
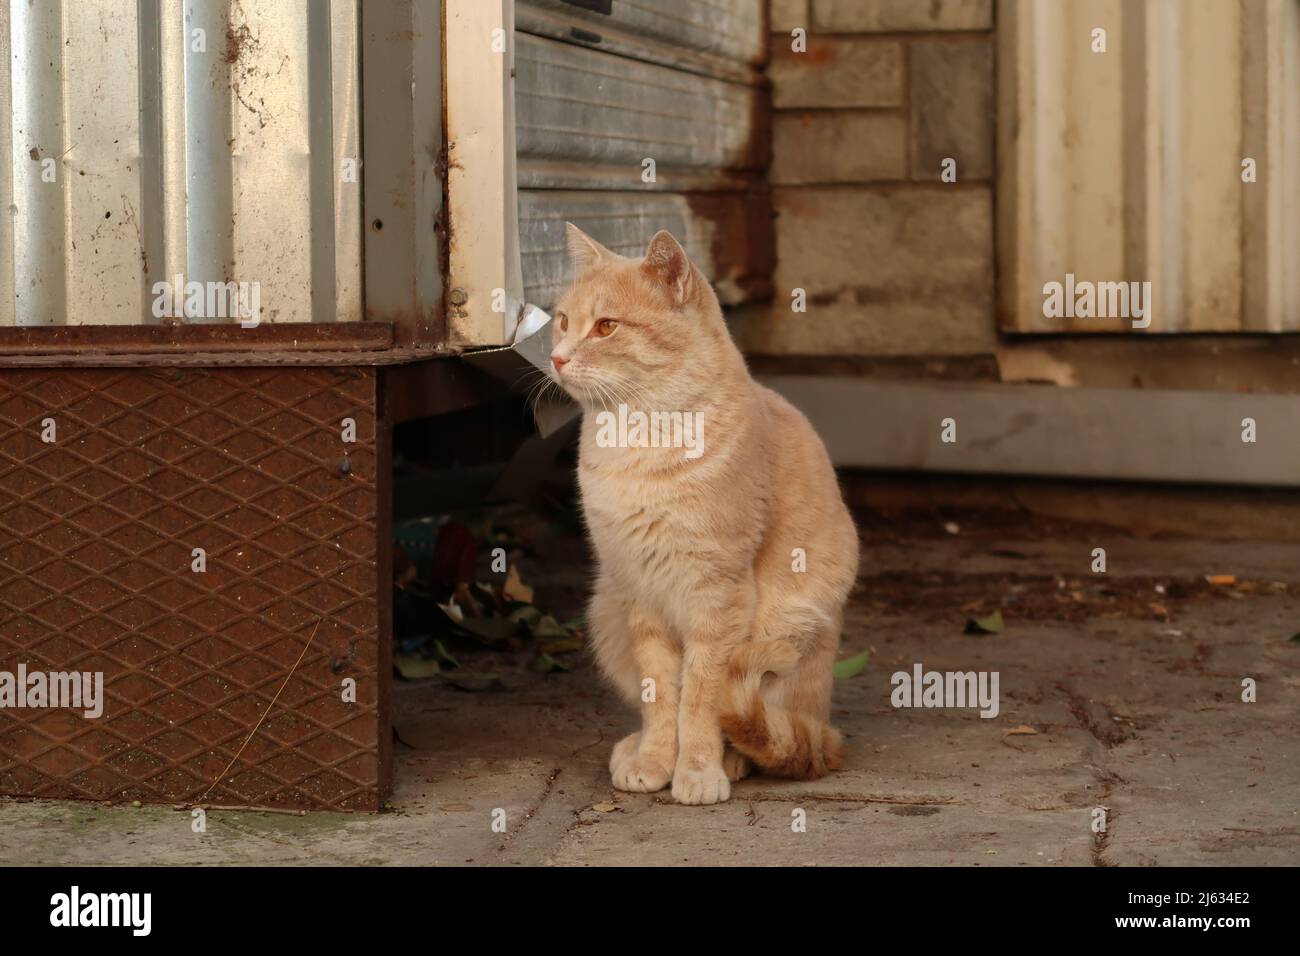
<point x="384" y="584"/>
<point x="104" y="340"/>
<point x="231" y="359"/>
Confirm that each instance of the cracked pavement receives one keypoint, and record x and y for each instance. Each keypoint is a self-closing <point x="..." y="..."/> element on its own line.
<point x="1121" y="691"/>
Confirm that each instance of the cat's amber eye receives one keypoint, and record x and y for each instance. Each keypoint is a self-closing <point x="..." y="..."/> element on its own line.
<point x="604" y="327"/>
<point x="564" y="322"/>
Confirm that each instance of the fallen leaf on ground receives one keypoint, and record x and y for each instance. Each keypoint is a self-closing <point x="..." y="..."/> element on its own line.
<point x="548" y="628"/>
<point x="527" y="614"/>
<point x="992" y="624"/>
<point x="1022" y="729"/>
<point x="851" y="666"/>
<point x="561" y="645"/>
<point x="474" y="682"/>
<point x="605" y="807"/>
<point x="1220" y="580"/>
<point x="546" y="664"/>
<point x="489" y="629"/>
<point x="416" y="668"/>
<point x="442" y="655"/>
<point x="514" y="589"/>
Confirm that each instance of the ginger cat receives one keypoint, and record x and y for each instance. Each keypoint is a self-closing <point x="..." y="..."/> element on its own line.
<point x="702" y="614"/>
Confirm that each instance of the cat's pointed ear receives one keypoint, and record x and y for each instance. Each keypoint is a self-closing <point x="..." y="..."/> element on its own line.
<point x="667" y="263"/>
<point x="584" y="250"/>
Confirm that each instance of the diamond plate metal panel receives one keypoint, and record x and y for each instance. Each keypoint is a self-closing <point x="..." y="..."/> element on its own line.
<point x="97" y="535"/>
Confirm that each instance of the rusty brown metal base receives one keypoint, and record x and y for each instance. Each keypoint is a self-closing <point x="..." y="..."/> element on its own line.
<point x="203" y="671"/>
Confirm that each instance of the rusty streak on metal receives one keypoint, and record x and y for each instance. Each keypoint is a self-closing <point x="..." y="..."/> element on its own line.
<point x="170" y="339"/>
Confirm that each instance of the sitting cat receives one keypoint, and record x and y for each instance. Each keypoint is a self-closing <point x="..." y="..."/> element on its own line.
<point x="725" y="558"/>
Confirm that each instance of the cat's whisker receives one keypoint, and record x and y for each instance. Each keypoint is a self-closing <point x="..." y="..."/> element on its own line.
<point x="625" y="390"/>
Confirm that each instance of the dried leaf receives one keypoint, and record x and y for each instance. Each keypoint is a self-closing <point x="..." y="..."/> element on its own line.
<point x="416" y="668"/>
<point x="546" y="664"/>
<point x="1221" y="580"/>
<point x="489" y="629"/>
<point x="605" y="807"/>
<point x="562" y="645"/>
<point x="474" y="681"/>
<point x="992" y="624"/>
<point x="442" y="655"/>
<point x="1022" y="729"/>
<point x="526" y="614"/>
<point x="547" y="628"/>
<point x="851" y="666"/>
<point x="514" y="589"/>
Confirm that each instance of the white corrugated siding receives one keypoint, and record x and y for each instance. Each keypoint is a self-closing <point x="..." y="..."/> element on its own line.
<point x="1126" y="165"/>
<point x="596" y="94"/>
<point x="203" y="138"/>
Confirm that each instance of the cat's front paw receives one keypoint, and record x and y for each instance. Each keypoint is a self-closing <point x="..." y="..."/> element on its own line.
<point x="696" y="787"/>
<point x="640" y="773"/>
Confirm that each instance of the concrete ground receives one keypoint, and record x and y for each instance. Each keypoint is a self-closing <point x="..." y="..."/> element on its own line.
<point x="1120" y="690"/>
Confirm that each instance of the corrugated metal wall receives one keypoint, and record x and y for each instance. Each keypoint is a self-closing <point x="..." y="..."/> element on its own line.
<point x="1126" y="165"/>
<point x="146" y="140"/>
<point x="600" y="89"/>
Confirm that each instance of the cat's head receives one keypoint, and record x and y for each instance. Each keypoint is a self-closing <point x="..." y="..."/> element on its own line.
<point x="629" y="330"/>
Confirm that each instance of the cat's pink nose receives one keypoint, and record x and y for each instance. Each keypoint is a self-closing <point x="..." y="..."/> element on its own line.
<point x="558" y="362"/>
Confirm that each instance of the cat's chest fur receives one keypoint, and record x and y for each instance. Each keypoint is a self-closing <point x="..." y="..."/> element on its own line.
<point x="655" y="523"/>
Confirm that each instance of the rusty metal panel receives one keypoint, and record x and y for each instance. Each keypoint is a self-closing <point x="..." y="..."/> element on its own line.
<point x="240" y="666"/>
<point x="207" y="140"/>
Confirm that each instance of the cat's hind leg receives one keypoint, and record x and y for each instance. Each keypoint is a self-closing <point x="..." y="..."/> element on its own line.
<point x="780" y="711"/>
<point x="736" y="765"/>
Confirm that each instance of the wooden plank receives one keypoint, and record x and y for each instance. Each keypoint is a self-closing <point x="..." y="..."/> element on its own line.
<point x="1122" y="433"/>
<point x="404" y="211"/>
<point x="1213" y="193"/>
<point x="483" y="224"/>
<point x="1271" y="136"/>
